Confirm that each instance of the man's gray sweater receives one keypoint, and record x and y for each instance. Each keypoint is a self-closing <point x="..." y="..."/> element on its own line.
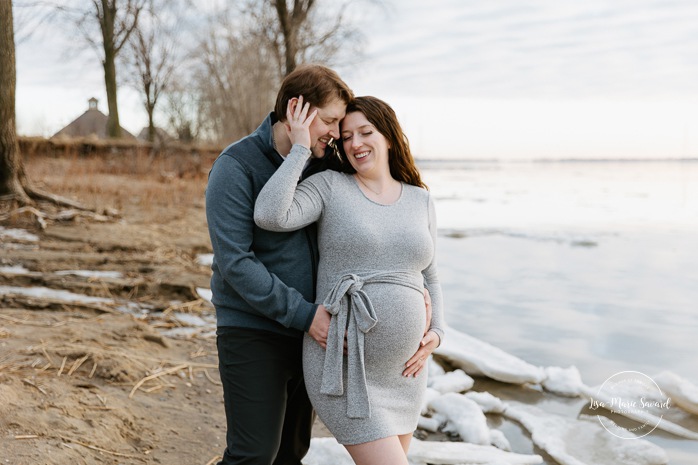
<point x="261" y="279"/>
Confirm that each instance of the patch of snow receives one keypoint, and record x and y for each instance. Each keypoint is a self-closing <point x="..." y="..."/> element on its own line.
<point x="53" y="294"/>
<point x="487" y="402"/>
<point x="14" y="269"/>
<point x="190" y="319"/>
<point x="464" y="417"/>
<point x="90" y="274"/>
<point x="429" y="395"/>
<point x="434" y="369"/>
<point x="18" y="235"/>
<point x="452" y="453"/>
<point x="325" y="451"/>
<point x="563" y="381"/>
<point x="205" y="294"/>
<point x="453" y="381"/>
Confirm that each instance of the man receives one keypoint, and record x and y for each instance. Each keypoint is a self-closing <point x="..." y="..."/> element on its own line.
<point x="263" y="282"/>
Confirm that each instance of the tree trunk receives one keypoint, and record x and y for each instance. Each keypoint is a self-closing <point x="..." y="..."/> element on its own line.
<point x="288" y="31"/>
<point x="11" y="168"/>
<point x="108" y="18"/>
<point x="151" y="123"/>
<point x="113" y="125"/>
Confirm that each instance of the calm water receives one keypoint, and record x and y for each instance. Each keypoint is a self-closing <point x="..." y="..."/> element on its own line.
<point x="591" y="264"/>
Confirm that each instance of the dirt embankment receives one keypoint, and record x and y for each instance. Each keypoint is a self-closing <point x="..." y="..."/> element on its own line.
<point x="87" y="383"/>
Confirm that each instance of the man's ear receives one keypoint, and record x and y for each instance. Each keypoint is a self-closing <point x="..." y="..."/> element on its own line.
<point x="292" y="102"/>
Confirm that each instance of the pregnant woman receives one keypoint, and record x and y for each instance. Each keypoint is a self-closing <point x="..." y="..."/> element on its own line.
<point x="377" y="234"/>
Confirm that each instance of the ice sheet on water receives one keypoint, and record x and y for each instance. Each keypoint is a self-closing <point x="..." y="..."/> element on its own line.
<point x="464" y="416"/>
<point x="629" y="392"/>
<point x="479" y="358"/>
<point x="583" y="441"/>
<point x="682" y="392"/>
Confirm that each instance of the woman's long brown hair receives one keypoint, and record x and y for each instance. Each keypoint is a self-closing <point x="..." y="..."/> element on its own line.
<point x="384" y="119"/>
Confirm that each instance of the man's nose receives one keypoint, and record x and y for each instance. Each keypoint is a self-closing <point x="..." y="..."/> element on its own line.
<point x="334" y="131"/>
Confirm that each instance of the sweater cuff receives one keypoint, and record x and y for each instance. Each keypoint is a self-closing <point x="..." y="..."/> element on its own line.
<point x="302" y="150"/>
<point x="439" y="332"/>
<point x="304" y="316"/>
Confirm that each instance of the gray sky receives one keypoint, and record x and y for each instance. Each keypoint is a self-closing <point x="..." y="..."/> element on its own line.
<point x="477" y="78"/>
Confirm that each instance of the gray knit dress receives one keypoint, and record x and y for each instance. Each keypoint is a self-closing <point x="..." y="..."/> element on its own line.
<point x="374" y="262"/>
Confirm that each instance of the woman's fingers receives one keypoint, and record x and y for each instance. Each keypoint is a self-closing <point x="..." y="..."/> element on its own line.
<point x="415" y="365"/>
<point x="298" y="121"/>
<point x="297" y="111"/>
<point x="418" y="361"/>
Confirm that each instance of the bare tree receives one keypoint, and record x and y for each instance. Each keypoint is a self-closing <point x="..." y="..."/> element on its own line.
<point x="291" y="22"/>
<point x="116" y="22"/>
<point x="12" y="176"/>
<point x="244" y="57"/>
<point x="182" y="111"/>
<point x="151" y="56"/>
<point x="236" y="81"/>
<point x="13" y="181"/>
<point x="305" y="33"/>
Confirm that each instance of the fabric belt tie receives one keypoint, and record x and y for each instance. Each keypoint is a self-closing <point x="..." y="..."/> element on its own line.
<point x="351" y="308"/>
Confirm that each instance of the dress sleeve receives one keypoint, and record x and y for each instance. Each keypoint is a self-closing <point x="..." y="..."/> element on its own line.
<point x="285" y="205"/>
<point x="431" y="277"/>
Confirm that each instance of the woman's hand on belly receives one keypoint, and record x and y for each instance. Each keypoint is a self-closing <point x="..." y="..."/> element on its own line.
<point x="418" y="361"/>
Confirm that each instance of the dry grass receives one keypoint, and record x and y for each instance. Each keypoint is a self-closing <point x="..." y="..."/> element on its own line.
<point x="152" y="185"/>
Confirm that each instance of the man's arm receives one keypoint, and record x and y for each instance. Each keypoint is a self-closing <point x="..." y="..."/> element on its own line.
<point x="229" y="211"/>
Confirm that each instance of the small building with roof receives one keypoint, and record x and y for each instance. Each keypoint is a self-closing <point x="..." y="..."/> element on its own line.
<point x="91" y="124"/>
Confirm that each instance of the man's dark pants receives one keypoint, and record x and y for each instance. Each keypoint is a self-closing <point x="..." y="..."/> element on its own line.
<point x="269" y="416"/>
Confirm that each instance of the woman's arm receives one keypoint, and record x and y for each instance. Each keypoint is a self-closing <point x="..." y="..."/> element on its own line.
<point x="431" y="277"/>
<point x="283" y="205"/>
<point x="434" y="336"/>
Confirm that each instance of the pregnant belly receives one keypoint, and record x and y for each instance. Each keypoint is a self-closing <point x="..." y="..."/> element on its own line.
<point x="401" y="317"/>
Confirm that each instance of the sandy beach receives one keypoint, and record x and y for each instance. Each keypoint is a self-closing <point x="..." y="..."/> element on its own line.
<point x="91" y="383"/>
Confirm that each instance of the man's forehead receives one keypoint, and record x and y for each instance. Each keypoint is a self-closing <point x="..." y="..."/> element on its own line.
<point x="335" y="109"/>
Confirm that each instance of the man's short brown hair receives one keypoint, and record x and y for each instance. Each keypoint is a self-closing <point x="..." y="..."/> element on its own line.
<point x="318" y="85"/>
